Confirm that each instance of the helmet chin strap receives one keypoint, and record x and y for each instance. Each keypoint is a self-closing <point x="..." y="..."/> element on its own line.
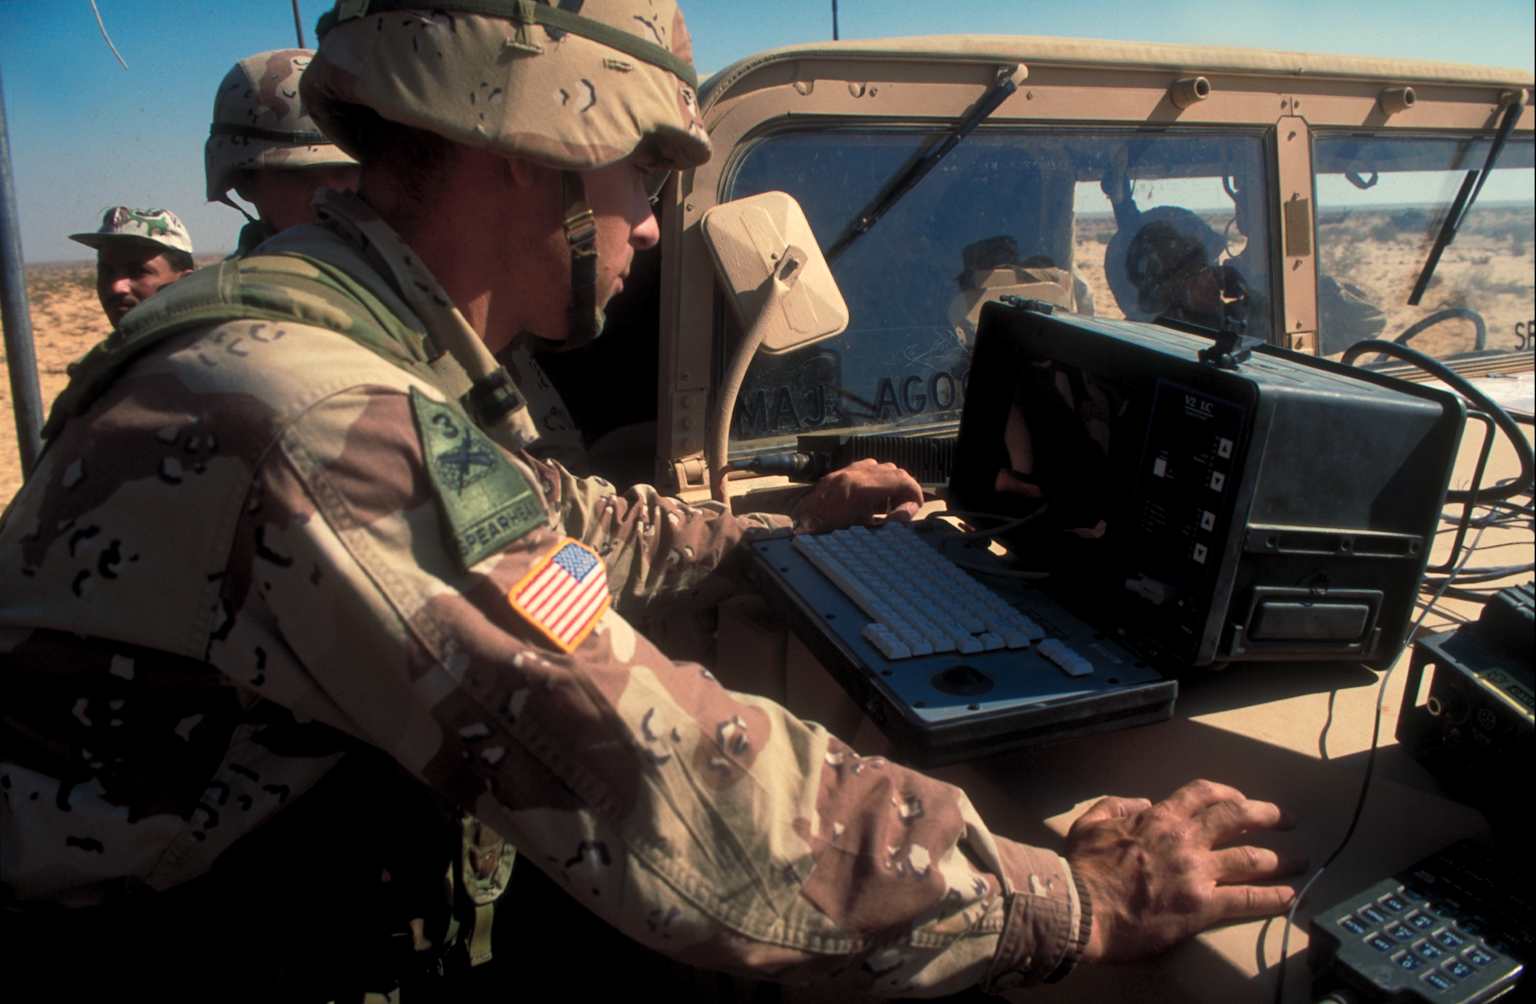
<point x="231" y="203"/>
<point x="585" y="318"/>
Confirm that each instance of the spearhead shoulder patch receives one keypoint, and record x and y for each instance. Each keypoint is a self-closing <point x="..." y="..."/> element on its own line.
<point x="564" y="594"/>
<point x="485" y="500"/>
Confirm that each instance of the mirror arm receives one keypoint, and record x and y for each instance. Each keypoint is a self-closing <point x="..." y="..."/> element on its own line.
<point x="787" y="272"/>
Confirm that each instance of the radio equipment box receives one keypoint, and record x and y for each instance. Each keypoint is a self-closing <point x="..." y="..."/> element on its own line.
<point x="1207" y="506"/>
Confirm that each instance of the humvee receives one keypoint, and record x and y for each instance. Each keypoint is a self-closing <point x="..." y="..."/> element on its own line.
<point x="1331" y="184"/>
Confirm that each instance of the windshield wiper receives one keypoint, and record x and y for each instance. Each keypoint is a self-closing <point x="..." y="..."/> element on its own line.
<point x="1470" y="187"/>
<point x="906" y="179"/>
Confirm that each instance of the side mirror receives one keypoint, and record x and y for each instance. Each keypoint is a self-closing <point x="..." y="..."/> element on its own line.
<point x="781" y="289"/>
<point x="752" y="242"/>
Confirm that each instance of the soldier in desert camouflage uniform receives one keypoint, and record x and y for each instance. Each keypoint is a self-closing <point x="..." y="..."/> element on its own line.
<point x="138" y="251"/>
<point x="284" y="544"/>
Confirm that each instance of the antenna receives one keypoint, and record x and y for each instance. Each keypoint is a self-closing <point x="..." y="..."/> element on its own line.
<point x="834" y="20"/>
<point x="105" y="37"/>
<point x="298" y="25"/>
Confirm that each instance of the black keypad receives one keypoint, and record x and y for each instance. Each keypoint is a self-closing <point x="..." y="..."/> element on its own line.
<point x="1439" y="929"/>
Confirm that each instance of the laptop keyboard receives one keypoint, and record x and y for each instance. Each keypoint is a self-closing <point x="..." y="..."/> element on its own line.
<point x="919" y="602"/>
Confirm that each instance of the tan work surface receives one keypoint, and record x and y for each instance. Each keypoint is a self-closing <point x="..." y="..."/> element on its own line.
<point x="1294" y="734"/>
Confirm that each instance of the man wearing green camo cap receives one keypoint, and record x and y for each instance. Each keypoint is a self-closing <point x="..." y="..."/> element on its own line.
<point x="286" y="570"/>
<point x="138" y="251"/>
<point x="266" y="148"/>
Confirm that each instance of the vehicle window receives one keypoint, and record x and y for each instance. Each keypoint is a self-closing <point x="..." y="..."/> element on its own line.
<point x="1117" y="223"/>
<point x="1381" y="203"/>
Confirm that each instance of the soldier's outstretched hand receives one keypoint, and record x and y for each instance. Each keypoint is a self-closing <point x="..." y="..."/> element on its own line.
<point x="858" y="493"/>
<point x="1157" y="874"/>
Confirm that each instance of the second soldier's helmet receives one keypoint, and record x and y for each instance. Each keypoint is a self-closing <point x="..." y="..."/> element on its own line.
<point x="1160" y="250"/>
<point x="259" y="122"/>
<point x="576" y="86"/>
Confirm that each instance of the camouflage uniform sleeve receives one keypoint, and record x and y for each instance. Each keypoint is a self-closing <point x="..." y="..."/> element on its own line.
<point x="711" y="826"/>
<point x="654" y="546"/>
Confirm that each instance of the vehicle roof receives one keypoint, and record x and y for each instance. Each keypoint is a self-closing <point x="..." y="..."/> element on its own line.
<point x="1050" y="50"/>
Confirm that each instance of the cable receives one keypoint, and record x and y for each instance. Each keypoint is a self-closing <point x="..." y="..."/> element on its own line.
<point x="1501" y="418"/>
<point x="1487" y="574"/>
<point x="1006" y="523"/>
<point x="1469" y="596"/>
<point x="1365" y="783"/>
<point x="971" y="516"/>
<point x="1006" y="573"/>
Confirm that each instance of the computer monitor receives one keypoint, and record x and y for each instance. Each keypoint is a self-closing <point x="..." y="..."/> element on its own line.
<point x="1280" y="508"/>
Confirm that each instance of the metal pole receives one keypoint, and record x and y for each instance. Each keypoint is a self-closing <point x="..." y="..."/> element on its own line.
<point x="834" y="20"/>
<point x="20" y="357"/>
<point x="298" y="25"/>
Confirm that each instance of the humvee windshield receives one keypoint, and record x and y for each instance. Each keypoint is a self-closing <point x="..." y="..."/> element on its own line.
<point x="1049" y="213"/>
<point x="1381" y="203"/>
<point x="1054" y="213"/>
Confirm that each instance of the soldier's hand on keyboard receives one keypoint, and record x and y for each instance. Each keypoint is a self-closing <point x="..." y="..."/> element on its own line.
<point x="1157" y="874"/>
<point x="856" y="494"/>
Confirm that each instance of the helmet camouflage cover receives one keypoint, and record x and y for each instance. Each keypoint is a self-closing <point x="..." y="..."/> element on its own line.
<point x="576" y="86"/>
<point x="259" y="121"/>
<point x="1158" y="251"/>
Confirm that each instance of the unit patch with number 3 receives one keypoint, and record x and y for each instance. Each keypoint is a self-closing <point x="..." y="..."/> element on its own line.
<point x="485" y="500"/>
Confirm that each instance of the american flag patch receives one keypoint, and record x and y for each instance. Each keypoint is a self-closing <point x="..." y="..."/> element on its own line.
<point x="564" y="595"/>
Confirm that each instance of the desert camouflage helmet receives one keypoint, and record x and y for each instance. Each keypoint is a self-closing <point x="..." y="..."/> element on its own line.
<point x="259" y="121"/>
<point x="576" y="86"/>
<point x="1153" y="254"/>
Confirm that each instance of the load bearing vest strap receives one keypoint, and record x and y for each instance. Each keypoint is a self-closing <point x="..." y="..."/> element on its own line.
<point x="494" y="401"/>
<point x="525" y="13"/>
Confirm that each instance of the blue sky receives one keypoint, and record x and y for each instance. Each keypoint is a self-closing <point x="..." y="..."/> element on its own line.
<point x="86" y="133"/>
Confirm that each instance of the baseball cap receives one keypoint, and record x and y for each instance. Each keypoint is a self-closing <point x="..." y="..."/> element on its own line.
<point x="154" y="226"/>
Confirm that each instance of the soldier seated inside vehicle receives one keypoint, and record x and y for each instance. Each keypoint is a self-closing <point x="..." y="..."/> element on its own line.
<point x="995" y="268"/>
<point x="1167" y="262"/>
<point x="1172" y="271"/>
